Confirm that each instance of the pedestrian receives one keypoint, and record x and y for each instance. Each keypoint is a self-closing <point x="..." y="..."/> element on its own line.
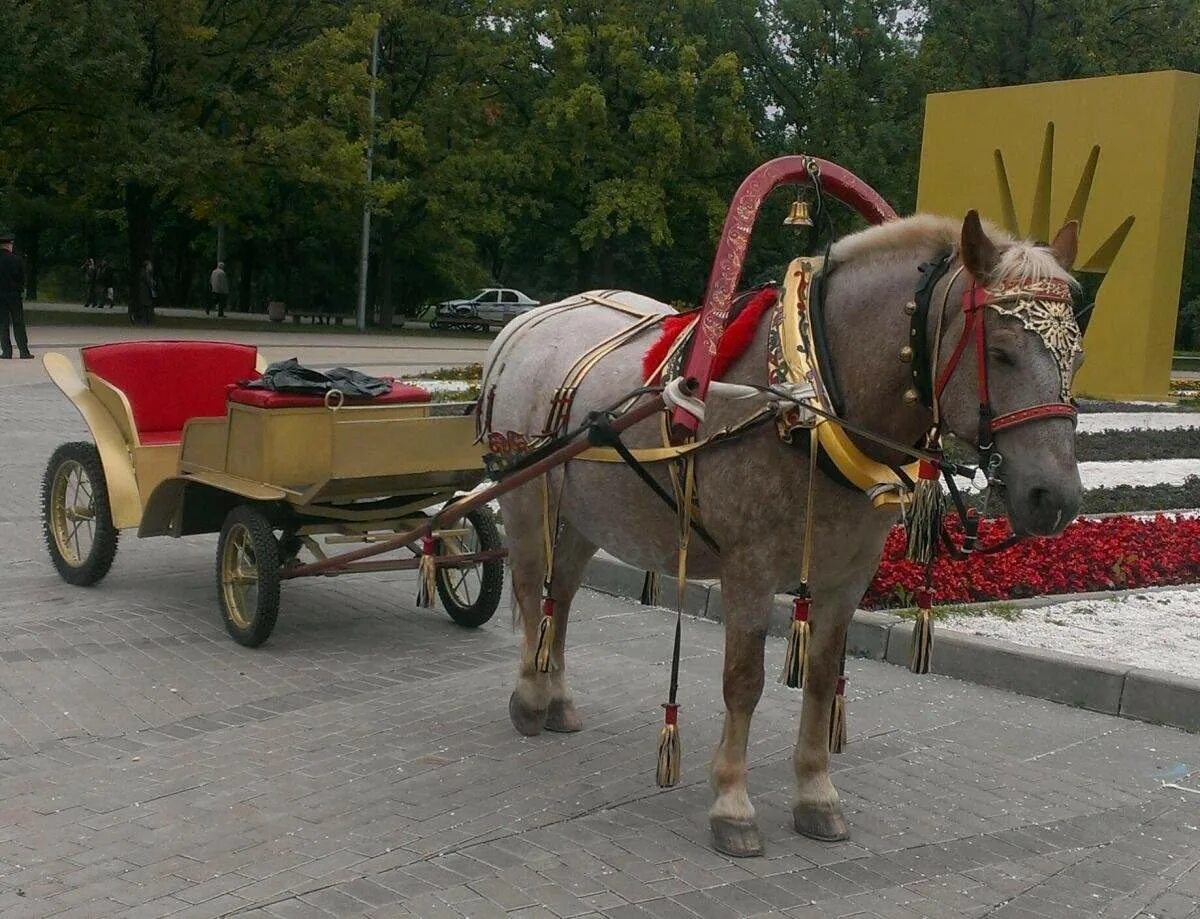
<point x="12" y="290"/>
<point x="218" y="285"/>
<point x="106" y="283"/>
<point x="147" y="296"/>
<point x="90" y="278"/>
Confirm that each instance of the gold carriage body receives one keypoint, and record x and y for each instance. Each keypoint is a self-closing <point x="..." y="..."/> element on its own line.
<point x="350" y="473"/>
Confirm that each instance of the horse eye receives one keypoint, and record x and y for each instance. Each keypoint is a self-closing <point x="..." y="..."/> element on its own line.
<point x="1004" y="358"/>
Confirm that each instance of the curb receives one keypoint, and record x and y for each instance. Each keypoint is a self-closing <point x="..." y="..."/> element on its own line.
<point x="1099" y="686"/>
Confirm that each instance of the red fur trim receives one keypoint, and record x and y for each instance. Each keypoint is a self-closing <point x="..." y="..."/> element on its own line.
<point x="672" y="328"/>
<point x="740" y="332"/>
<point x="736" y="339"/>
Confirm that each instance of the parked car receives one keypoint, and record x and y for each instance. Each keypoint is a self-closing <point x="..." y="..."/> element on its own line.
<point x="491" y="306"/>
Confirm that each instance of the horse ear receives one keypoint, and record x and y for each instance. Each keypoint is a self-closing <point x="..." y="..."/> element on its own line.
<point x="1066" y="244"/>
<point x="978" y="252"/>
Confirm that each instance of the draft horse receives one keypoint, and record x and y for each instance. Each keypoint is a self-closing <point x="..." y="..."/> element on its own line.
<point x="1006" y="380"/>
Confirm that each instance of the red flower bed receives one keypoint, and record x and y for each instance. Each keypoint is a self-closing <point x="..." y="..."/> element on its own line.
<point x="1100" y="554"/>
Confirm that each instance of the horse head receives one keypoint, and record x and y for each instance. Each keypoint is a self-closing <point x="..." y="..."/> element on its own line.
<point x="1007" y="358"/>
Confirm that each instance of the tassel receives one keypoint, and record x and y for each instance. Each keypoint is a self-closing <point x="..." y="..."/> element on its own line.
<point x="670" y="751"/>
<point x="650" y="589"/>
<point x="545" y="642"/>
<point x="923" y="517"/>
<point x="795" y="661"/>
<point x="427" y="572"/>
<point x="922" y="636"/>
<point x="837" y="720"/>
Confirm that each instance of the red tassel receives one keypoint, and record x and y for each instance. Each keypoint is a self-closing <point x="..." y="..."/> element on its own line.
<point x="670" y="750"/>
<point x="427" y="572"/>
<point x="795" y="660"/>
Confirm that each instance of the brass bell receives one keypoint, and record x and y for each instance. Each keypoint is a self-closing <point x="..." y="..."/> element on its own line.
<point x="910" y="396"/>
<point x="798" y="216"/>
<point x="910" y="307"/>
<point x="906" y="354"/>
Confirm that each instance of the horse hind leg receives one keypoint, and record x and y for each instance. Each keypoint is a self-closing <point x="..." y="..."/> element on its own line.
<point x="571" y="558"/>
<point x="522" y="509"/>
<point x="747" y="604"/>
<point x="542" y="700"/>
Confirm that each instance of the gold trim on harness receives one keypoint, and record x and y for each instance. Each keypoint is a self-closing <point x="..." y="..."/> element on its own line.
<point x="792" y="358"/>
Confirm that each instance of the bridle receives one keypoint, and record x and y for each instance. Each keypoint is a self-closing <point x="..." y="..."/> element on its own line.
<point x="1045" y="307"/>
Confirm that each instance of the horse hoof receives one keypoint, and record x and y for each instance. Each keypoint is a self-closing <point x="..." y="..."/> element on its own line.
<point x="527" y="721"/>
<point x="820" y="821"/>
<point x="563" y="718"/>
<point x="736" y="838"/>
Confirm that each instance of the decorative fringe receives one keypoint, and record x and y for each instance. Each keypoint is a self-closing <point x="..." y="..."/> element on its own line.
<point x="670" y="751"/>
<point x="650" y="589"/>
<point x="795" y="661"/>
<point x="922" y="636"/>
<point x="837" y="720"/>
<point x="427" y="572"/>
<point x="545" y="642"/>
<point x="923" y="517"/>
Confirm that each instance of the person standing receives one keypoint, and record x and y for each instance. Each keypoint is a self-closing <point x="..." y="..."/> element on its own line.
<point x="218" y="285"/>
<point x="90" y="277"/>
<point x="147" y="295"/>
<point x="12" y="290"/>
<point x="105" y="274"/>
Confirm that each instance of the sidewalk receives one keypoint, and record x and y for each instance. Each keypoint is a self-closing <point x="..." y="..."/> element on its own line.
<point x="361" y="764"/>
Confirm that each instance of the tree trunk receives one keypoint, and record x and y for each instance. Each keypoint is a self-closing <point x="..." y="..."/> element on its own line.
<point x="245" y="282"/>
<point x="387" y="269"/>
<point x="139" y="220"/>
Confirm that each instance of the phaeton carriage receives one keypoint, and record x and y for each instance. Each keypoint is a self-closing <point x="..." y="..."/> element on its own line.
<point x="181" y="447"/>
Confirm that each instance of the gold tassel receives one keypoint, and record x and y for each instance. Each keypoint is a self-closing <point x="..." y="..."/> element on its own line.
<point x="427" y="572"/>
<point x="922" y="636"/>
<point x="795" y="661"/>
<point x="923" y="516"/>
<point x="650" y="589"/>
<point x="545" y="642"/>
<point x="670" y="751"/>
<point x="837" y="719"/>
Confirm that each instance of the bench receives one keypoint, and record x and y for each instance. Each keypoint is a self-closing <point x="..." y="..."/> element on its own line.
<point x="318" y="317"/>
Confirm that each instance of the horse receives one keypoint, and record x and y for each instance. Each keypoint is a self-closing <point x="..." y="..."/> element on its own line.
<point x="753" y="490"/>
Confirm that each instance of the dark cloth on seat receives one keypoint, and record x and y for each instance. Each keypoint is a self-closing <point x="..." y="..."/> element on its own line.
<point x="293" y="377"/>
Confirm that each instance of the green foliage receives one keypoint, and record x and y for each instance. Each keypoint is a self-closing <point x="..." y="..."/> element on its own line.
<point x="550" y="146"/>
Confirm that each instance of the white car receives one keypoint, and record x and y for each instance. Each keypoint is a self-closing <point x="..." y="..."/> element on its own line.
<point x="491" y="306"/>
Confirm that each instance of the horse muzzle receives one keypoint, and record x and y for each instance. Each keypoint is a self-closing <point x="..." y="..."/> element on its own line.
<point x="1044" y="507"/>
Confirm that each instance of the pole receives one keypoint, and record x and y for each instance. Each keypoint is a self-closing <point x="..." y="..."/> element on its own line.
<point x="365" y="253"/>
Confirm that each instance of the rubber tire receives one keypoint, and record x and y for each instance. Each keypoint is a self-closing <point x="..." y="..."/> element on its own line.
<point x="104" y="545"/>
<point x="266" y="555"/>
<point x="491" y="579"/>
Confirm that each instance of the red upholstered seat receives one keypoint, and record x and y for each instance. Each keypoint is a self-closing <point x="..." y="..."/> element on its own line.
<point x="169" y="382"/>
<point x="267" y="398"/>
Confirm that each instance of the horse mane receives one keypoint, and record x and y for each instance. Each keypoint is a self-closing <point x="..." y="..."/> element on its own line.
<point x="1019" y="258"/>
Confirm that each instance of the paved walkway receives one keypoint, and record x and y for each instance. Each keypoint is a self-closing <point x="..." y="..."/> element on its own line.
<point x="362" y="763"/>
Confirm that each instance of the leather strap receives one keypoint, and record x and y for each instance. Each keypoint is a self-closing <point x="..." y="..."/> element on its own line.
<point x="1033" y="413"/>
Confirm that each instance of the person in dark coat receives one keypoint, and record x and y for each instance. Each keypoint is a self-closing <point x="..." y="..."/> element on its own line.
<point x="105" y="274"/>
<point x="147" y="295"/>
<point x="12" y="291"/>
<point x="91" y="277"/>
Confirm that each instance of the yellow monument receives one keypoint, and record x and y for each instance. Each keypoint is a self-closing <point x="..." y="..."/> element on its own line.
<point x="1115" y="153"/>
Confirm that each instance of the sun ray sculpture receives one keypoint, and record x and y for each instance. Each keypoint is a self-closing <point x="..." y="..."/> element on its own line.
<point x="1114" y="153"/>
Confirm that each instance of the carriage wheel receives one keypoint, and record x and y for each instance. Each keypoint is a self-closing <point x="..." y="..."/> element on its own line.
<point x="248" y="576"/>
<point x="471" y="595"/>
<point x="76" y="516"/>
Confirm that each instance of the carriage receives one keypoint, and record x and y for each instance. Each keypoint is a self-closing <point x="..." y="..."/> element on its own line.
<point x="181" y="447"/>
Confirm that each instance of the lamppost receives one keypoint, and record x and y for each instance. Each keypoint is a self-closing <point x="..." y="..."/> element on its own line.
<point x="365" y="253"/>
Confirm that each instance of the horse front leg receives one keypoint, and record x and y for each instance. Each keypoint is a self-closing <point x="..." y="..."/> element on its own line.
<point x="818" y="809"/>
<point x="747" y="604"/>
